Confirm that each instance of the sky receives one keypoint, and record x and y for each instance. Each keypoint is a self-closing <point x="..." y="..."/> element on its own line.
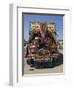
<point x="57" y="19"/>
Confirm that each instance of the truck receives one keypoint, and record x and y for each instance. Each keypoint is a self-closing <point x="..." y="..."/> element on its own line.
<point x="42" y="51"/>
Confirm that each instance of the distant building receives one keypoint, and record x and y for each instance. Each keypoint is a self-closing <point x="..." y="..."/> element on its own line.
<point x="60" y="44"/>
<point x="25" y="43"/>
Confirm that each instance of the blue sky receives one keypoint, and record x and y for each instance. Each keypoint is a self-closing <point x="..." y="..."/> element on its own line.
<point x="57" y="19"/>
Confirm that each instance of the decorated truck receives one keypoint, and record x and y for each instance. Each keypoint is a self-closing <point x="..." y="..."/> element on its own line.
<point x="41" y="50"/>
